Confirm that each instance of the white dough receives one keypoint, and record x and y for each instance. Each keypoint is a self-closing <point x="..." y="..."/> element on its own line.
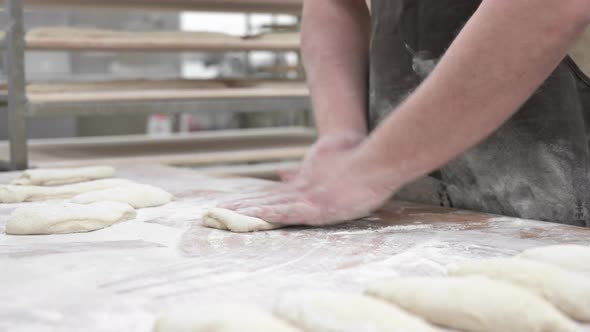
<point x="137" y="195"/>
<point x="62" y="218"/>
<point x="221" y="318"/>
<point x="18" y="194"/>
<point x="61" y="176"/>
<point x="568" y="256"/>
<point x="235" y="222"/>
<point x="323" y="311"/>
<point x="568" y="291"/>
<point x="473" y="303"/>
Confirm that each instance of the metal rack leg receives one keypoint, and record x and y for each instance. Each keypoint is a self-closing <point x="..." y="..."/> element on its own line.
<point x="15" y="68"/>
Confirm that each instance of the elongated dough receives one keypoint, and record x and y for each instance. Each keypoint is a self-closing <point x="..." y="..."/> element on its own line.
<point x="235" y="222"/>
<point x="137" y="195"/>
<point x="61" y="176"/>
<point x="571" y="257"/>
<point x="323" y="311"/>
<point x="221" y="318"/>
<point x="62" y="218"/>
<point x="473" y="303"/>
<point x="18" y="194"/>
<point x="568" y="291"/>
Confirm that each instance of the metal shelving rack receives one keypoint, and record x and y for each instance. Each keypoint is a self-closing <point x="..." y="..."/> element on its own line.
<point x="16" y="87"/>
<point x="241" y="98"/>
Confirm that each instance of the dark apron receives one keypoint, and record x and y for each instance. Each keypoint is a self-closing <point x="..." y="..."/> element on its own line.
<point x="535" y="166"/>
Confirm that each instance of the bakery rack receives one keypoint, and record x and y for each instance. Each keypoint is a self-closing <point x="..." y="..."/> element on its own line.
<point x="25" y="100"/>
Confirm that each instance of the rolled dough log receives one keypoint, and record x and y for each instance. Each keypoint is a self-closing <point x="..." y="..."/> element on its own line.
<point x="221" y="318"/>
<point x="568" y="291"/>
<point x="571" y="257"/>
<point x="137" y="195"/>
<point x="62" y="218"/>
<point x="473" y="303"/>
<point x="61" y="176"/>
<point x="235" y="222"/>
<point x="322" y="311"/>
<point x="18" y="194"/>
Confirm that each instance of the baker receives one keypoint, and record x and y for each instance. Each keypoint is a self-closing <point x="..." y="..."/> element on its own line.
<point x="471" y="104"/>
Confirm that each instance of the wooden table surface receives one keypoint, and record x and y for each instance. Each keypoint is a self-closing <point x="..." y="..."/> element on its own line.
<point x="118" y="278"/>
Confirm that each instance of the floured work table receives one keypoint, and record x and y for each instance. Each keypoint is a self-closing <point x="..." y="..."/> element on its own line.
<point x="118" y="278"/>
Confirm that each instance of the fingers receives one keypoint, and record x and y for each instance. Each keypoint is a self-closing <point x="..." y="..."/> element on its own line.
<point x="277" y="189"/>
<point x="262" y="200"/>
<point x="288" y="207"/>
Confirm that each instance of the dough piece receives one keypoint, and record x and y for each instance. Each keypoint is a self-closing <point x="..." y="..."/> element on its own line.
<point x="61" y="176"/>
<point x="322" y="311"/>
<point x="571" y="257"/>
<point x="221" y="318"/>
<point x="62" y="218"/>
<point x="473" y="303"/>
<point x="18" y="194"/>
<point x="235" y="222"/>
<point x="138" y="195"/>
<point x="568" y="291"/>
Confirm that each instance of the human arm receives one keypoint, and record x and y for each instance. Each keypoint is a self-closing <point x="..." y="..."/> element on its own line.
<point x="517" y="43"/>
<point x="335" y="46"/>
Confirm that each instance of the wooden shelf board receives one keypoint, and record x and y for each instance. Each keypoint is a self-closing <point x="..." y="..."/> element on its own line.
<point x="272" y="6"/>
<point x="166" y="90"/>
<point x="164" y="95"/>
<point x="85" y="39"/>
<point x="208" y="148"/>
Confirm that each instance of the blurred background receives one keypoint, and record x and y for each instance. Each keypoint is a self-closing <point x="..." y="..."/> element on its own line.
<point x="63" y="65"/>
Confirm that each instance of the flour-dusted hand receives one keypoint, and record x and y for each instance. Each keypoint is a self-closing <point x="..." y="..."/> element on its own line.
<point x="332" y="187"/>
<point x="326" y="148"/>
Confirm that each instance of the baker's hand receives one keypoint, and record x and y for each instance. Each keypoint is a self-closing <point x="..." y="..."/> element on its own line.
<point x="325" y="149"/>
<point x="337" y="183"/>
